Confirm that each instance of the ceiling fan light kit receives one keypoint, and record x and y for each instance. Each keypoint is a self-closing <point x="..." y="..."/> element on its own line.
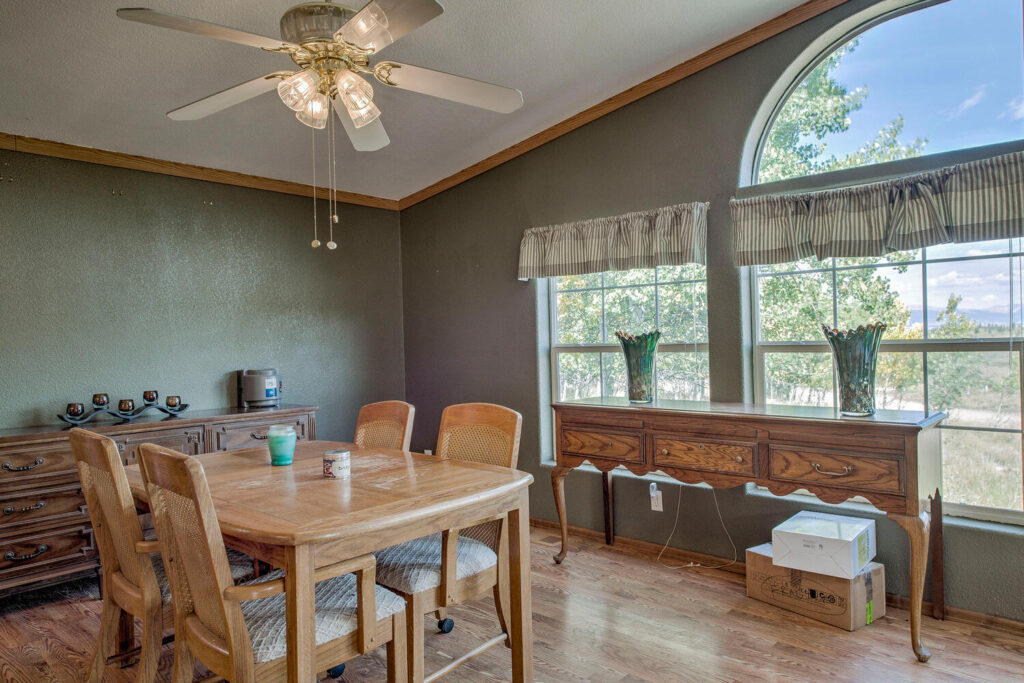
<point x="331" y="45"/>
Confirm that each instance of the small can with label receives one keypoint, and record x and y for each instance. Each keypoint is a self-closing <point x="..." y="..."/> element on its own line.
<point x="337" y="464"/>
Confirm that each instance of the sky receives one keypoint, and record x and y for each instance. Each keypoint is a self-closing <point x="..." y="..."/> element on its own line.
<point x="955" y="71"/>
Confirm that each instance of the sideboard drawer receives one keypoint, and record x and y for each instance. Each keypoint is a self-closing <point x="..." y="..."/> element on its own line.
<point x="188" y="441"/>
<point x="704" y="455"/>
<point x="228" y="437"/>
<point x="813" y="466"/>
<point x="23" y="467"/>
<point x="56" y="504"/>
<point x="37" y="551"/>
<point x="600" y="444"/>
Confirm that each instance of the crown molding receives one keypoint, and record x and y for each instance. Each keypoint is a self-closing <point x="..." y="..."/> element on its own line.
<point x="104" y="157"/>
<point x="720" y="52"/>
<point x="723" y="51"/>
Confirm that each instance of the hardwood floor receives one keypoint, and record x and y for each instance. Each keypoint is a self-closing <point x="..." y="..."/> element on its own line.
<point x="608" y="614"/>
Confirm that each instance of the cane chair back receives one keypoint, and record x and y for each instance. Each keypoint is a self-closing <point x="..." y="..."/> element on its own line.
<point x="484" y="433"/>
<point x="196" y="562"/>
<point x="387" y="424"/>
<point x="115" y="521"/>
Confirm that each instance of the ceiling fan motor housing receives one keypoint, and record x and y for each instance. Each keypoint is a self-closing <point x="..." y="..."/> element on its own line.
<point x="314" y="22"/>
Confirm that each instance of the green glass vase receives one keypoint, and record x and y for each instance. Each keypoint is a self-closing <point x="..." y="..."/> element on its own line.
<point x="639" y="352"/>
<point x="855" y="353"/>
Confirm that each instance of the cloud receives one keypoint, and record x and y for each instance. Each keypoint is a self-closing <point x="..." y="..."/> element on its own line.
<point x="970" y="102"/>
<point x="1014" y="110"/>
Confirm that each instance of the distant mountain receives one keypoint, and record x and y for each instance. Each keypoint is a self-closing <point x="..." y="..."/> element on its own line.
<point x="980" y="315"/>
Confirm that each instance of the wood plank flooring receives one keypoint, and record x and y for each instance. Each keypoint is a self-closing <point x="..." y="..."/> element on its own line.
<point x="608" y="614"/>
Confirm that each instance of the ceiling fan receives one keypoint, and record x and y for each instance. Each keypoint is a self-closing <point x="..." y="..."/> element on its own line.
<point x="331" y="45"/>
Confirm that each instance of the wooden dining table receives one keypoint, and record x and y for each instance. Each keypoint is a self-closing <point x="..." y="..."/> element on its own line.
<point x="296" y="519"/>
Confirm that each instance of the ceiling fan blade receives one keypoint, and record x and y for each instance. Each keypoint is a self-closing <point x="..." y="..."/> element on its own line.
<point x="447" y="86"/>
<point x="382" y="22"/>
<point x="155" y="17"/>
<point x="369" y="138"/>
<point x="227" y="98"/>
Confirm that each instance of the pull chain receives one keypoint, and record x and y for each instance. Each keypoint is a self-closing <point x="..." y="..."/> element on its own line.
<point x="333" y="171"/>
<point x="316" y="242"/>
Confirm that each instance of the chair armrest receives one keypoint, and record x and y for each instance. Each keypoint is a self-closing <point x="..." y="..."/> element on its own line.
<point x="365" y="564"/>
<point x="147" y="547"/>
<point x="254" y="591"/>
<point x="355" y="564"/>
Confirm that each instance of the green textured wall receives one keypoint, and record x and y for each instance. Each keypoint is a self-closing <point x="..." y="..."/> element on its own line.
<point x="473" y="331"/>
<point x="175" y="283"/>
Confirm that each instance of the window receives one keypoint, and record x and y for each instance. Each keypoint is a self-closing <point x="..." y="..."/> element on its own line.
<point x="945" y="77"/>
<point x="586" y="311"/>
<point x="942" y="78"/>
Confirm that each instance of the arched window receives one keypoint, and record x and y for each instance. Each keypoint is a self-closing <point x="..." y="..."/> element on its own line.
<point x="944" y="77"/>
<point x="923" y="79"/>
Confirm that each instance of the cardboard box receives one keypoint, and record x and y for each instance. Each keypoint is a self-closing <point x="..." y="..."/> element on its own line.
<point x="824" y="544"/>
<point x="846" y="603"/>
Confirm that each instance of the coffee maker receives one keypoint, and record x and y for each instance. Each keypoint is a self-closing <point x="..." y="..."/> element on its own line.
<point x="259" y="388"/>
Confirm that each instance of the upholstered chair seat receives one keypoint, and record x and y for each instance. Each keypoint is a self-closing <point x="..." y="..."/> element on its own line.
<point x="415" y="566"/>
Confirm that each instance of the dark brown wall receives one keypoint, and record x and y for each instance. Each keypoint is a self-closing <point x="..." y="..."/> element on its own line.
<point x="473" y="331"/>
<point x="175" y="283"/>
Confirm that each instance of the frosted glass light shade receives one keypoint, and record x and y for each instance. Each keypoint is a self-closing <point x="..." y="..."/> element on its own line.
<point x="368" y="29"/>
<point x="355" y="92"/>
<point x="364" y="116"/>
<point x="316" y="112"/>
<point x="298" y="89"/>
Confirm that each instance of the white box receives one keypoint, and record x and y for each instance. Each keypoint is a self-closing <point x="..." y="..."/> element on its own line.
<point x="824" y="544"/>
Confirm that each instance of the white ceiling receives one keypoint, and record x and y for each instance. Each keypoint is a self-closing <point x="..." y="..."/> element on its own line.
<point x="73" y="72"/>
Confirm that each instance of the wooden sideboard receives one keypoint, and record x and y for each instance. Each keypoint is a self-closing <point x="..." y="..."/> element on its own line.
<point x="45" y="533"/>
<point x="891" y="459"/>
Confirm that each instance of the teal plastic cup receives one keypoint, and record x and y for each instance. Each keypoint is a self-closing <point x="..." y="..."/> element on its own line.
<point x="281" y="441"/>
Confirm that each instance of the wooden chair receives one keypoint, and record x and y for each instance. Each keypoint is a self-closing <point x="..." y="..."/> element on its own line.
<point x="387" y="424"/>
<point x="457" y="565"/>
<point x="239" y="632"/>
<point x="132" y="576"/>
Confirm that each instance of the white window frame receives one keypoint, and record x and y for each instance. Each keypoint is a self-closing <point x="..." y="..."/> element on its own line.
<point x="559" y="348"/>
<point x="923" y="346"/>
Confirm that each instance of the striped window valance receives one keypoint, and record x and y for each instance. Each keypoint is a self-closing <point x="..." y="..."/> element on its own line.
<point x="669" y="236"/>
<point x="970" y="202"/>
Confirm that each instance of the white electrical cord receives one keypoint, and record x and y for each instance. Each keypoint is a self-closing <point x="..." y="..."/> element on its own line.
<point x="696" y="565"/>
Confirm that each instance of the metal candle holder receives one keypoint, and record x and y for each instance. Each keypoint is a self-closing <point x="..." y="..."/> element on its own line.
<point x="75" y="413"/>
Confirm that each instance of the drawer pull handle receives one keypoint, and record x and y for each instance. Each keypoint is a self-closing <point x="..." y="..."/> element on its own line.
<point x="664" y="451"/>
<point x="608" y="444"/>
<point x="739" y="459"/>
<point x="259" y="437"/>
<point x="700" y="446"/>
<point x="10" y="509"/>
<point x="40" y="549"/>
<point x="847" y="469"/>
<point x="24" y="468"/>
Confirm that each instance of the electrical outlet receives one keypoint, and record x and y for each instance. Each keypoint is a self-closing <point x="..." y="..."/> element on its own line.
<point x="656" y="501"/>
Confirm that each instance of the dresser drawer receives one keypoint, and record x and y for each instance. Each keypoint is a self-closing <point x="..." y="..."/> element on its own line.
<point x="601" y="444"/>
<point x="43" y="550"/>
<point x="52" y="505"/>
<point x="702" y="454"/>
<point x="834" y="468"/>
<point x="251" y="433"/>
<point x="24" y="467"/>
<point x="187" y="441"/>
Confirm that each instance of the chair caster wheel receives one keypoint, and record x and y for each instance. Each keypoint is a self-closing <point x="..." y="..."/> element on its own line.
<point x="336" y="671"/>
<point x="445" y="625"/>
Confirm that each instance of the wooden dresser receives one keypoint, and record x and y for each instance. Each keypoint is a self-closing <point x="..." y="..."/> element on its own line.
<point x="891" y="459"/>
<point x="45" y="534"/>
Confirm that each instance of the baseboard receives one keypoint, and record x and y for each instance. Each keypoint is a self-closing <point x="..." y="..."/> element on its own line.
<point x="679" y="556"/>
